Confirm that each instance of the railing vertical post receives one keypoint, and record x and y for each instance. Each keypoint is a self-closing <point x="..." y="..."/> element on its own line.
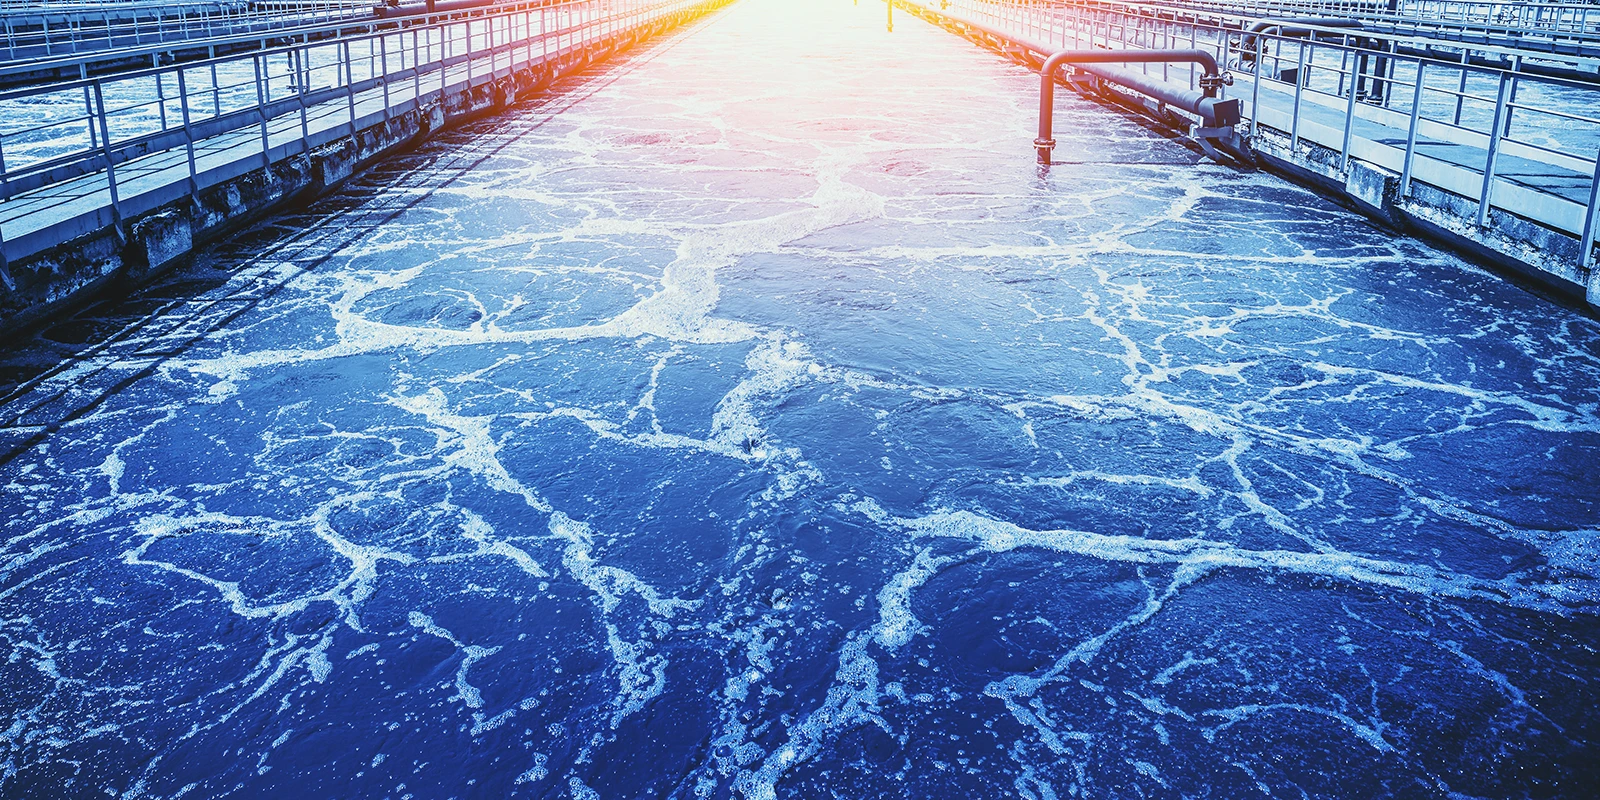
<point x="216" y="88"/>
<point x="1344" y="66"/>
<point x="1494" y="151"/>
<point x="383" y="58"/>
<point x="261" y="111"/>
<point x="1194" y="31"/>
<point x="5" y="184"/>
<point x="1411" y="131"/>
<point x="1586" y="241"/>
<point x="161" y="90"/>
<point x="88" y="107"/>
<point x="1349" y="119"/>
<point x="301" y="81"/>
<point x="105" y="153"/>
<point x="188" y="134"/>
<point x="1461" y="87"/>
<point x="1299" y="88"/>
<point x="1511" y="106"/>
<point x="349" y="87"/>
<point x="416" y="72"/>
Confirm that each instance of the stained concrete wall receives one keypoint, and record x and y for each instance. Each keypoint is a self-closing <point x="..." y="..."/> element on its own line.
<point x="1512" y="243"/>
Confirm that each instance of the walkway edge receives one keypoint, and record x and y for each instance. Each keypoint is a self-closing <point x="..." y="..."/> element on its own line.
<point x="111" y="258"/>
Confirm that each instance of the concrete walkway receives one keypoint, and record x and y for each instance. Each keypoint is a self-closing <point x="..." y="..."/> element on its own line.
<point x="37" y="220"/>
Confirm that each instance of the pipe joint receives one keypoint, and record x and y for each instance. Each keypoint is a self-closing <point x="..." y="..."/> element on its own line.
<point x="1212" y="84"/>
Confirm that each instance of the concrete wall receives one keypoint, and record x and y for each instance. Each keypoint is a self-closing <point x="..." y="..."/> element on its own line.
<point x="1508" y="242"/>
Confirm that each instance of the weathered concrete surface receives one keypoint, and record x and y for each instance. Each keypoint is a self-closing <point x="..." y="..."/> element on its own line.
<point x="1509" y="242"/>
<point x="121" y="256"/>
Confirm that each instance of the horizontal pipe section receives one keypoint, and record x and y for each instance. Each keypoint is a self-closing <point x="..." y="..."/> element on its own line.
<point x="1213" y="111"/>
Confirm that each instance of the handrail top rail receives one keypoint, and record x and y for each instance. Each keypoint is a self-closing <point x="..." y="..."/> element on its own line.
<point x="1047" y="50"/>
<point x="1373" y="7"/>
<point x="371" y="33"/>
<point x="425" y="18"/>
<point x="250" y="112"/>
<point x="1510" y="55"/>
<point x="1238" y="16"/>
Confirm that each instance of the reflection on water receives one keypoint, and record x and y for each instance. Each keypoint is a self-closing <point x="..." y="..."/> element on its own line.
<point x="753" y="419"/>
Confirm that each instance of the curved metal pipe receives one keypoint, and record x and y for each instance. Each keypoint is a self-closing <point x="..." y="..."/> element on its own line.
<point x="1299" y="27"/>
<point x="1315" y="22"/>
<point x="432" y="7"/>
<point x="1213" y="111"/>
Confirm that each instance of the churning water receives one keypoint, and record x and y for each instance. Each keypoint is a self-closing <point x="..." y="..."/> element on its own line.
<point x="752" y="418"/>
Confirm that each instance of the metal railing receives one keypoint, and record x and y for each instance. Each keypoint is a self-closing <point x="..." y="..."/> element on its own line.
<point x="34" y="31"/>
<point x="282" y="97"/>
<point x="1525" y="18"/>
<point x="1569" y="29"/>
<point x="1497" y="136"/>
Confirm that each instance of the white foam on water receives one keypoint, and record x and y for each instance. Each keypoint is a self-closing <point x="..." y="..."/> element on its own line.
<point x="679" y="307"/>
<point x="1205" y="554"/>
<point x="852" y="700"/>
<point x="469" y="695"/>
<point x="1372" y="733"/>
<point x="896" y="624"/>
<point x="466" y="443"/>
<point x="581" y="791"/>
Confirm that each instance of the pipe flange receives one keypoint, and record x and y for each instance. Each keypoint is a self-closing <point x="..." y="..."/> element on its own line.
<point x="1044" y="144"/>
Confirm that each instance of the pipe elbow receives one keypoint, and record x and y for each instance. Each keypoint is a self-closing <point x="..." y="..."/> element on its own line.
<point x="1054" y="62"/>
